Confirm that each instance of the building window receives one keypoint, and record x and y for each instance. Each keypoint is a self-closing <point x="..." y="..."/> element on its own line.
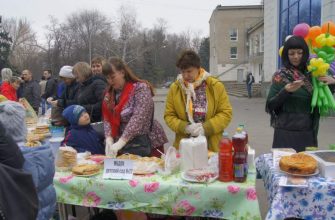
<point x="233" y="53"/>
<point x="261" y="40"/>
<point x="250" y="46"/>
<point x="293" y="12"/>
<point x="233" y="34"/>
<point x="256" y="44"/>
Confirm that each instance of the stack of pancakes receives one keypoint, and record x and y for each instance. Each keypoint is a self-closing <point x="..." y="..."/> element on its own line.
<point x="67" y="157"/>
<point x="299" y="163"/>
<point x="86" y="169"/>
<point x="42" y="129"/>
<point x="32" y="144"/>
<point x="35" y="137"/>
<point x="157" y="160"/>
<point x="144" y="165"/>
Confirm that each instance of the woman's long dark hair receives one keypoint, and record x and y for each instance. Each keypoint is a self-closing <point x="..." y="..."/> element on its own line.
<point x="295" y="42"/>
<point x="120" y="65"/>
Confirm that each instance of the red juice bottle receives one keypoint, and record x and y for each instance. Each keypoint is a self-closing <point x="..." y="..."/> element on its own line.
<point x="225" y="159"/>
<point x="244" y="132"/>
<point x="240" y="156"/>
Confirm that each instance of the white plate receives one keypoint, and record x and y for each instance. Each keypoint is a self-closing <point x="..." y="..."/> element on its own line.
<point x="188" y="179"/>
<point x="305" y="175"/>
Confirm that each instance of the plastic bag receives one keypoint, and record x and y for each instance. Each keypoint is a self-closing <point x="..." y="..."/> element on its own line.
<point x="171" y="161"/>
<point x="31" y="116"/>
<point x="193" y="152"/>
<point x="66" y="158"/>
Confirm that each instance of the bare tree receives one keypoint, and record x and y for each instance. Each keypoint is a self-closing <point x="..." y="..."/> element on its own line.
<point x="24" y="46"/>
<point x="86" y="26"/>
<point x="128" y="29"/>
<point x="150" y="52"/>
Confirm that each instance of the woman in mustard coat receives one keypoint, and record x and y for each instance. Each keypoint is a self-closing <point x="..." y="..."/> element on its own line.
<point x="197" y="103"/>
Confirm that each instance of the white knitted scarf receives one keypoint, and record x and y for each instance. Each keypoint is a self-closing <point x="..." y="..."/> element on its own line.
<point x="189" y="91"/>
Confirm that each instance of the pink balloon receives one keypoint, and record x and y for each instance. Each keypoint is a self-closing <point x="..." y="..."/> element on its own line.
<point x="301" y="30"/>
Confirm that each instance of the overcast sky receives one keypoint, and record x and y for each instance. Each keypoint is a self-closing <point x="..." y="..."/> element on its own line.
<point x="179" y="14"/>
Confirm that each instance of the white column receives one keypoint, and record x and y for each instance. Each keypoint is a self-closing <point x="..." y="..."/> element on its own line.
<point x="327" y="10"/>
<point x="271" y="31"/>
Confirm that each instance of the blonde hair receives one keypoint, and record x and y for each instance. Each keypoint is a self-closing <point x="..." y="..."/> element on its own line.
<point x="83" y="69"/>
<point x="14" y="79"/>
<point x="6" y="74"/>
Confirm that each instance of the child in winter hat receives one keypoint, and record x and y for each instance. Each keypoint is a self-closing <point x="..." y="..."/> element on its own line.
<point x="74" y="112"/>
<point x="81" y="135"/>
<point x="12" y="116"/>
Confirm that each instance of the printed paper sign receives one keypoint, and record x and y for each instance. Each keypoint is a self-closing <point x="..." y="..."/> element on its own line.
<point x="118" y="169"/>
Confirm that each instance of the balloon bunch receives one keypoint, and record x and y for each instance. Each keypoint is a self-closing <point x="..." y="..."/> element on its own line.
<point x="321" y="44"/>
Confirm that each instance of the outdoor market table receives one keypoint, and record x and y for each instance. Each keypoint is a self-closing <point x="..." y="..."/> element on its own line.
<point x="317" y="201"/>
<point x="168" y="195"/>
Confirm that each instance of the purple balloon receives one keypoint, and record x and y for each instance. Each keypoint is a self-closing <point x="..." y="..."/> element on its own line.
<point x="301" y="30"/>
<point x="312" y="56"/>
<point x="332" y="68"/>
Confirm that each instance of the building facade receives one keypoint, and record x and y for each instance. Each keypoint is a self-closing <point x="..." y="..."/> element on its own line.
<point x="229" y="43"/>
<point x="281" y="16"/>
<point x="255" y="45"/>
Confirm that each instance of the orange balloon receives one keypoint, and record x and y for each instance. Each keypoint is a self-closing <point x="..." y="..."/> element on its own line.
<point x="308" y="41"/>
<point x="314" y="32"/>
<point x="311" y="43"/>
<point x="331" y="24"/>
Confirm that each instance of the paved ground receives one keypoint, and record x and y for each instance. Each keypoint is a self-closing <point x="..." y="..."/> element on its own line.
<point x="251" y="112"/>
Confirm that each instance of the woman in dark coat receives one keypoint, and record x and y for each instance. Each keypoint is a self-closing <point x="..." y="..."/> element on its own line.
<point x="91" y="90"/>
<point x="289" y="100"/>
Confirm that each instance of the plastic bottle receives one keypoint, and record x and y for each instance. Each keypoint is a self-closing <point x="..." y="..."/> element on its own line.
<point x="225" y="159"/>
<point x="240" y="156"/>
<point x="244" y="132"/>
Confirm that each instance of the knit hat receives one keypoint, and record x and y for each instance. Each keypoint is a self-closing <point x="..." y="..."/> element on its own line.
<point x="12" y="116"/>
<point x="72" y="113"/>
<point x="66" y="72"/>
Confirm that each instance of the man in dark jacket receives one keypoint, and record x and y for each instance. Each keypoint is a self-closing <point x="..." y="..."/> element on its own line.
<point x="17" y="190"/>
<point x="249" y="81"/>
<point x="51" y="86"/>
<point x="31" y="90"/>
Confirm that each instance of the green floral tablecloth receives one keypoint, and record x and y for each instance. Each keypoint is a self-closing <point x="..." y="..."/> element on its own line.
<point x="161" y="195"/>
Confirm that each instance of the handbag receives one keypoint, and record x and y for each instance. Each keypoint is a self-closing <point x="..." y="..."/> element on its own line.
<point x="140" y="145"/>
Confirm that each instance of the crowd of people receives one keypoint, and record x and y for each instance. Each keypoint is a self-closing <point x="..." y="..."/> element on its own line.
<point x="109" y="92"/>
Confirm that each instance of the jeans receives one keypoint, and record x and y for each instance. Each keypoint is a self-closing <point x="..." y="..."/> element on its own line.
<point x="249" y="88"/>
<point x="43" y="105"/>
